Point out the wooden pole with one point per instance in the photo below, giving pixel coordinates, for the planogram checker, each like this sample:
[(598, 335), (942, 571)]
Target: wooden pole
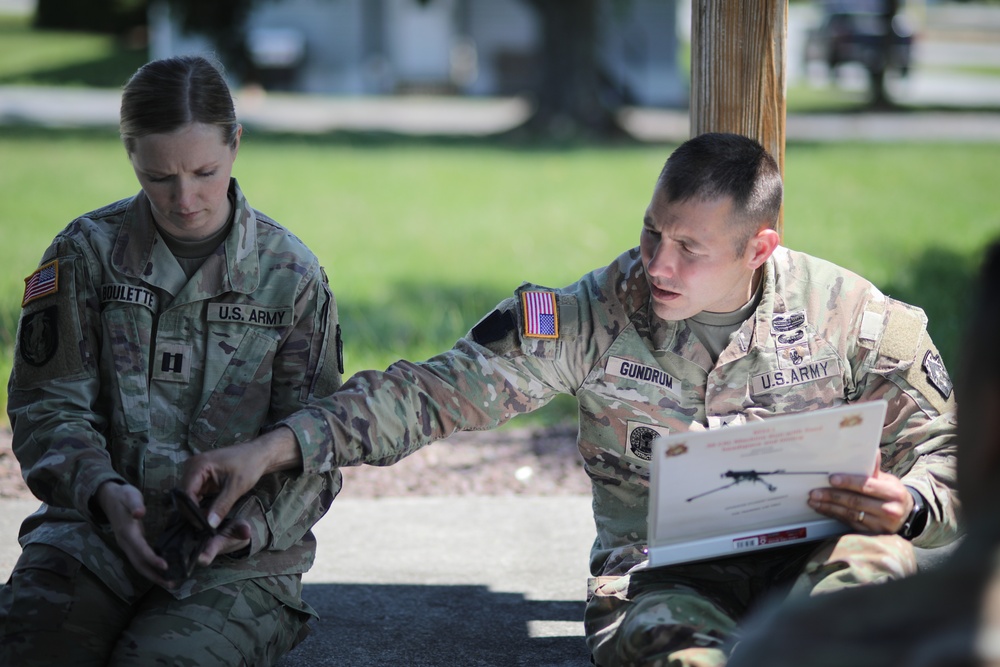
[(738, 70)]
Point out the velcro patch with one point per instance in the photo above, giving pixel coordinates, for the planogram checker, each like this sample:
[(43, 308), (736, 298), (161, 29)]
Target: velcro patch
[(903, 332), (44, 281), (493, 327)]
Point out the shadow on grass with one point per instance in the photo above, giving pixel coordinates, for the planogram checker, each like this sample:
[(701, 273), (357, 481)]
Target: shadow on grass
[(110, 71), (939, 281), (24, 129)]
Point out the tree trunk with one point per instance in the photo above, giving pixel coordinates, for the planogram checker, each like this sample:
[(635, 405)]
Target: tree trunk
[(738, 70), (568, 92)]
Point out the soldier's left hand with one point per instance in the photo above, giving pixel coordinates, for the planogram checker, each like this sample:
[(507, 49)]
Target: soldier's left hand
[(124, 508), (878, 503), (233, 536)]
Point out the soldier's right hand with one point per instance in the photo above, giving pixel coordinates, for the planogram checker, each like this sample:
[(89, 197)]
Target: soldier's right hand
[(124, 508), (230, 472)]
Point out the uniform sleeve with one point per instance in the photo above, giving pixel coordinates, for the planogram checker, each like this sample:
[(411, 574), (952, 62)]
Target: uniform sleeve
[(54, 385), (918, 439), (284, 506), (491, 375)]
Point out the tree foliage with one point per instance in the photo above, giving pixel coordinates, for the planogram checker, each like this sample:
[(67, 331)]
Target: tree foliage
[(110, 16)]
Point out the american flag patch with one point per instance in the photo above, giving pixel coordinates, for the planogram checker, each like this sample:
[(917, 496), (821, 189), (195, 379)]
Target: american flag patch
[(541, 319), (44, 281)]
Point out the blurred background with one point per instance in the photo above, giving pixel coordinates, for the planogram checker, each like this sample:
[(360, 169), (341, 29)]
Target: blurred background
[(436, 153)]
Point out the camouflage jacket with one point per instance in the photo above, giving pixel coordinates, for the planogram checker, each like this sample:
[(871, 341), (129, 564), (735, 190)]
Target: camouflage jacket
[(124, 368), (820, 337)]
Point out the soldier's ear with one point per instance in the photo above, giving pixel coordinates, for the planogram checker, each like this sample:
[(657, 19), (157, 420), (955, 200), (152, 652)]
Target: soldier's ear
[(760, 246), (236, 140)]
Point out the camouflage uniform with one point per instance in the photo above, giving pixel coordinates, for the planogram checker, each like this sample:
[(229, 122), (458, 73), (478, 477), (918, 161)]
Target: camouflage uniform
[(124, 368), (821, 336)]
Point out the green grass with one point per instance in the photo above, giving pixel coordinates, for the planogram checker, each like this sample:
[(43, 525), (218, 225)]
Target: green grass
[(420, 239)]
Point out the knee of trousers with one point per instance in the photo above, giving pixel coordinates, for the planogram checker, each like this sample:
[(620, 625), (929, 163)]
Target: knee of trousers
[(633, 625), (857, 560)]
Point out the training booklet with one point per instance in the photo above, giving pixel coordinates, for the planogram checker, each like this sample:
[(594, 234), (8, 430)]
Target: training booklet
[(735, 489)]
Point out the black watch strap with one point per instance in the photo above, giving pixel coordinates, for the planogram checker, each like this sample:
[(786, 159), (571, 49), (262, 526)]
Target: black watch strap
[(915, 523)]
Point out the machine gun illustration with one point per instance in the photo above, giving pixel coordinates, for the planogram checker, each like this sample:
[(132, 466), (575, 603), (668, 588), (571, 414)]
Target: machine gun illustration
[(739, 476)]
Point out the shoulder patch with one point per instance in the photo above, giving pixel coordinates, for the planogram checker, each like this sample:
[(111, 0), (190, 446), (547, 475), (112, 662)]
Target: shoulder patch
[(44, 281), (541, 316), (38, 336), (929, 376)]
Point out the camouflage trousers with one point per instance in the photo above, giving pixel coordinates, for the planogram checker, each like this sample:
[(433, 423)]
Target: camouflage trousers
[(687, 615), (53, 611)]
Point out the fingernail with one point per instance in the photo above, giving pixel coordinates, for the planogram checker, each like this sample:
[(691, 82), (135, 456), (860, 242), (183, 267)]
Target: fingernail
[(214, 520)]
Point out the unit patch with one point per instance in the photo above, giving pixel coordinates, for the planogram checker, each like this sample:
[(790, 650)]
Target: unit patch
[(541, 317), (789, 377), (937, 375), (39, 336), (631, 370), (639, 441), (247, 314), (44, 281), (120, 293)]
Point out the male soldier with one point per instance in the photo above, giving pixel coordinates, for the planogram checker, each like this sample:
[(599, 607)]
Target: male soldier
[(949, 615), (703, 325)]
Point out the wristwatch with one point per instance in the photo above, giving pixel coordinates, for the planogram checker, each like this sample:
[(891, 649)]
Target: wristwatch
[(914, 524)]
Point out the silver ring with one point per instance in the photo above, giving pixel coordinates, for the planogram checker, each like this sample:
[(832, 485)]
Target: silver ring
[(861, 516)]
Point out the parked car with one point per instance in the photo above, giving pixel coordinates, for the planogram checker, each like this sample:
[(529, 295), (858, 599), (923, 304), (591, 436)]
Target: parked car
[(867, 38)]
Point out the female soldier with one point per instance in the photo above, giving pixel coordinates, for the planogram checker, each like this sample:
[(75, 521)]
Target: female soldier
[(176, 321)]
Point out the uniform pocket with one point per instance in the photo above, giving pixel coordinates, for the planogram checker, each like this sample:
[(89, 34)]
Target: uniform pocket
[(125, 346), (238, 405)]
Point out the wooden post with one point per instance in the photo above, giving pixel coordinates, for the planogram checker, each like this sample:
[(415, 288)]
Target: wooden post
[(738, 70)]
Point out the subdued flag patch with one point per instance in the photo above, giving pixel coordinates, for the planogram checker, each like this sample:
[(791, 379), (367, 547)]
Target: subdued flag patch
[(541, 319), (44, 281)]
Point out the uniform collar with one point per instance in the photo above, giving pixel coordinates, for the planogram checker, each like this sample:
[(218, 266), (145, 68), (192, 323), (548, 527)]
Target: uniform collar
[(139, 249)]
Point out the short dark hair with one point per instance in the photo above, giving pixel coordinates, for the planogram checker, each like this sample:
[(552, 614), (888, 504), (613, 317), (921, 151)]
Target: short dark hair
[(715, 165), (165, 95)]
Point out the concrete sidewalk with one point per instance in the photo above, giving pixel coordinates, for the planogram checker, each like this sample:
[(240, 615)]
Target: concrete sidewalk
[(439, 581), (435, 582), (439, 116)]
